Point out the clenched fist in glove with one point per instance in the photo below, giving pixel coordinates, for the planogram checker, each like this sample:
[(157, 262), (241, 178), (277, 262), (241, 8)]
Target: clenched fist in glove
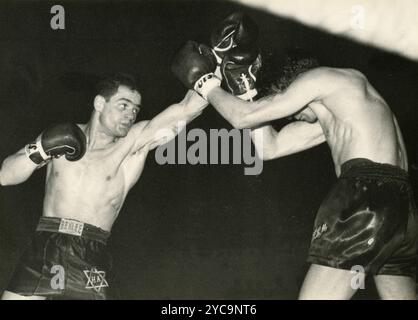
[(194, 66), (58, 140)]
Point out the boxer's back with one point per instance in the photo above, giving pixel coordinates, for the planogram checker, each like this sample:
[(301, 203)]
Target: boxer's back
[(356, 120)]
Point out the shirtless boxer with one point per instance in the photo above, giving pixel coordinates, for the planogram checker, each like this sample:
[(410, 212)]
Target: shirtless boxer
[(84, 195), (369, 219)]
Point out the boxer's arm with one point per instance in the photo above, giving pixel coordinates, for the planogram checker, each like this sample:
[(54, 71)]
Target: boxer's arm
[(292, 138), (16, 168), (65, 139), (243, 114), (261, 137), (166, 125)]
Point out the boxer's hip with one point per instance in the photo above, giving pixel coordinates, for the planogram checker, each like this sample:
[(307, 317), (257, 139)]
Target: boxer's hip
[(66, 259), (362, 168), (369, 218)]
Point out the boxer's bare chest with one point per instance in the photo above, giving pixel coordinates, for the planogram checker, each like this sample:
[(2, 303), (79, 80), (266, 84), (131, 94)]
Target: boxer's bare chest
[(98, 177), (92, 189)]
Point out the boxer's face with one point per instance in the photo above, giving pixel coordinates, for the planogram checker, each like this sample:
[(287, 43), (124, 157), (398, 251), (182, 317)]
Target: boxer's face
[(120, 111), (306, 115)]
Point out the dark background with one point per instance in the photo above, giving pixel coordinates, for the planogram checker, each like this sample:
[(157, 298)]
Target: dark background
[(185, 232)]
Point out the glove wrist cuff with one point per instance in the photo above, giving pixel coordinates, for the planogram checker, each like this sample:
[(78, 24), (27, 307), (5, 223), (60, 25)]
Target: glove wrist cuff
[(207, 83), (36, 153)]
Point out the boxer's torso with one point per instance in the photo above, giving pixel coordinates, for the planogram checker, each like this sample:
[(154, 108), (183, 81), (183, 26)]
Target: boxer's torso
[(93, 189), (357, 122)]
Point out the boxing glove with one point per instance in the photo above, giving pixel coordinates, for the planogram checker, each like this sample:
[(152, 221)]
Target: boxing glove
[(194, 66), (240, 68), (58, 140), (235, 30)]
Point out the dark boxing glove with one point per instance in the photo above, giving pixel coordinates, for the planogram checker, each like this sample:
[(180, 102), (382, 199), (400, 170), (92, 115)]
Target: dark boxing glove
[(239, 69), (58, 140), (194, 66), (235, 30)]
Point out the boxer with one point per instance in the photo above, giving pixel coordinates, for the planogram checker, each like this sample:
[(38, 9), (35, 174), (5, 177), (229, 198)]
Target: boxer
[(90, 169), (368, 221)]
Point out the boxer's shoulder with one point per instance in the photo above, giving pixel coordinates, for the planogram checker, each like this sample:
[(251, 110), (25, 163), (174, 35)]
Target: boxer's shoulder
[(337, 75), (328, 81), (135, 134), (138, 127)]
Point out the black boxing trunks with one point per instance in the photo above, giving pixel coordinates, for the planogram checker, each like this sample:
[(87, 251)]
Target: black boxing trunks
[(368, 221), (66, 259)]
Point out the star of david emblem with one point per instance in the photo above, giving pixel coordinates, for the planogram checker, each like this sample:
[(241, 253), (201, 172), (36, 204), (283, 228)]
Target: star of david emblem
[(95, 279)]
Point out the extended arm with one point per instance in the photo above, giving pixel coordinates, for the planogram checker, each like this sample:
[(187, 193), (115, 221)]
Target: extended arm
[(16, 168), (243, 114), (57, 140), (169, 122), (292, 138)]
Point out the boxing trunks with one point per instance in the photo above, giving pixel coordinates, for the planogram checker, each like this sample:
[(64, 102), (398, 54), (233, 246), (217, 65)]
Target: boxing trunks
[(368, 220), (66, 259)]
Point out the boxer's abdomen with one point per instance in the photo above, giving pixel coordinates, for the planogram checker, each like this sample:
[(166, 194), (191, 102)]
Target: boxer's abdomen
[(89, 192)]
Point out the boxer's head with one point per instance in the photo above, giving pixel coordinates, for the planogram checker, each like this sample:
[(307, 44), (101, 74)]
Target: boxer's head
[(280, 71), (294, 63), (118, 103), (295, 66)]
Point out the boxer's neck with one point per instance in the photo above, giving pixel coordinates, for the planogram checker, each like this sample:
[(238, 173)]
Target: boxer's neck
[(96, 137)]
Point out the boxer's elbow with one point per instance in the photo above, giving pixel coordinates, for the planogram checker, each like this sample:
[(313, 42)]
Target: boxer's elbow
[(238, 124), (268, 152), (262, 153), (240, 121), (3, 179), (8, 178), (5, 182)]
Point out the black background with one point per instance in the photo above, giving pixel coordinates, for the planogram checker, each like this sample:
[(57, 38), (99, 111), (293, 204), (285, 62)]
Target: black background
[(185, 232)]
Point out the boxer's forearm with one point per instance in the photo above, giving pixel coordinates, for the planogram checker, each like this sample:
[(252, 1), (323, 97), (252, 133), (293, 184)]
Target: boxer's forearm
[(185, 111), (193, 105), (264, 141), (242, 114), (233, 109), (295, 137), (16, 169), (167, 124)]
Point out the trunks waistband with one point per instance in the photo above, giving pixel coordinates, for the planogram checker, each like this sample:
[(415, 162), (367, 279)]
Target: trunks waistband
[(72, 227), (361, 167)]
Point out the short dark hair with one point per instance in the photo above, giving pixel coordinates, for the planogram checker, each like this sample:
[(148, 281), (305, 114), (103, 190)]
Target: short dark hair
[(280, 71), (109, 85)]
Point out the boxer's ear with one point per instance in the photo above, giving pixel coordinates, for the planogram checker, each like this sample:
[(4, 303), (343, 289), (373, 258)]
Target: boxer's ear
[(99, 102)]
